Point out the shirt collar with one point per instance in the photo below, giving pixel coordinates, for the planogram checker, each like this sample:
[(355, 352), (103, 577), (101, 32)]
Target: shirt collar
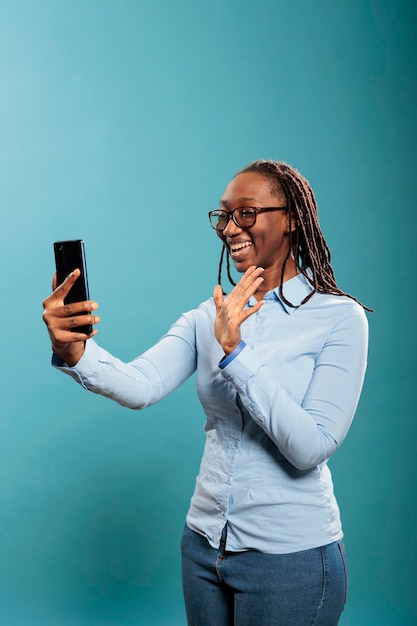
[(294, 290)]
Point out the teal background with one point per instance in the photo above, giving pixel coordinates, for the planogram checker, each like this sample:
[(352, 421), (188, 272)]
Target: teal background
[(121, 123)]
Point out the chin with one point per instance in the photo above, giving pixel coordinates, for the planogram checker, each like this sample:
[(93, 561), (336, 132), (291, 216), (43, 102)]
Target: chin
[(242, 266)]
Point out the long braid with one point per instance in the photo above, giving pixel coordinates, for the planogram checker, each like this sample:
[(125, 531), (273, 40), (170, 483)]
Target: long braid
[(219, 275), (307, 245), (229, 275)]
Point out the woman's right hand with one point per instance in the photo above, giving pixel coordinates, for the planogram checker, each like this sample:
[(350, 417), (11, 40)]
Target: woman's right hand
[(60, 318), (231, 311)]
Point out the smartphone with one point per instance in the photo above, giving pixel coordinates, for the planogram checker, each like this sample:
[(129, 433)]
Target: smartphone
[(70, 255)]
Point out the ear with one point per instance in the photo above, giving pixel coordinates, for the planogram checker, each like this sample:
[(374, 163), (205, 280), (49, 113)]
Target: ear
[(291, 223)]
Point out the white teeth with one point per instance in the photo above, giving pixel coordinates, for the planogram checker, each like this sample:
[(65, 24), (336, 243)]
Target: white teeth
[(239, 246)]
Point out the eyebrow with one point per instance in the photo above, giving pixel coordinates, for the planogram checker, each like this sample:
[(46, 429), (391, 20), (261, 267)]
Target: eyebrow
[(240, 201)]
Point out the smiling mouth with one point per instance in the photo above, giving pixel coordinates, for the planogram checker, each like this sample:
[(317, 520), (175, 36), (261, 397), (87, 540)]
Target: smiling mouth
[(236, 247)]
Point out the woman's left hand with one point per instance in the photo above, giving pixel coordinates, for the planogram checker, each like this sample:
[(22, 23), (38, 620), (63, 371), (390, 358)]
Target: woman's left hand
[(230, 310)]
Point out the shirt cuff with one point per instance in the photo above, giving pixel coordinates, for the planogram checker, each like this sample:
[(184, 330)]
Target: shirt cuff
[(229, 358), (85, 367)]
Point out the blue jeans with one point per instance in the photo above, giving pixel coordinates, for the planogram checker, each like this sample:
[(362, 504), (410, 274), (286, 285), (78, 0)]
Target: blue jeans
[(222, 588)]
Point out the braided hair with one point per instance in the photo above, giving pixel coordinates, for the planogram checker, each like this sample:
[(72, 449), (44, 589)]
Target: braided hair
[(307, 245)]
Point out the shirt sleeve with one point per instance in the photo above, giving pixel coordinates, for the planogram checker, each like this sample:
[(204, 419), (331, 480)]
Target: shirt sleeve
[(145, 380), (307, 434), (228, 359)]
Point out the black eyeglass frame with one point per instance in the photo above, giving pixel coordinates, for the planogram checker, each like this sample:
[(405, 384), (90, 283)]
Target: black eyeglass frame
[(231, 215)]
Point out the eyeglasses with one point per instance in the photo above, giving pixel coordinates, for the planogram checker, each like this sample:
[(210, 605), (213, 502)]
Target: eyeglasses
[(243, 217)]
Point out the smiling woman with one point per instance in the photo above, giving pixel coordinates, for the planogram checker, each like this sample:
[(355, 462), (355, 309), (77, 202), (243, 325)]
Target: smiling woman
[(279, 378), (266, 242), (303, 241)]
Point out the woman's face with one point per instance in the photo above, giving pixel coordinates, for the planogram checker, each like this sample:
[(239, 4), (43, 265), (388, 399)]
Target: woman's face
[(266, 243)]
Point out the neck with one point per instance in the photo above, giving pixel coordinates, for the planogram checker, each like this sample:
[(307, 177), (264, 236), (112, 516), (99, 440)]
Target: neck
[(272, 278)]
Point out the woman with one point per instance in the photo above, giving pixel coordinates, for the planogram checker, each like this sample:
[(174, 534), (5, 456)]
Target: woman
[(280, 364)]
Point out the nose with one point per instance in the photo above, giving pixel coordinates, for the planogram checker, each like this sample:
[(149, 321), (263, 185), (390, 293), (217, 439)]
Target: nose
[(231, 228)]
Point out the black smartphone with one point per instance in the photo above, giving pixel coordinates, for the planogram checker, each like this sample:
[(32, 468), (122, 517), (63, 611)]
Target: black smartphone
[(70, 255)]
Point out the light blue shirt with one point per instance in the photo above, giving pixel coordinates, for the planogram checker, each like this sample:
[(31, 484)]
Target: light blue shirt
[(276, 410)]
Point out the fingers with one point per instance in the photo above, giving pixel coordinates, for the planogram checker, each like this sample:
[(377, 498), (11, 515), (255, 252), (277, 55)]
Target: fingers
[(70, 315), (218, 297), (231, 311), (75, 308), (253, 309), (233, 306), (56, 299), (238, 298), (62, 320), (248, 285), (72, 323), (64, 288), (63, 328), (64, 316), (60, 292)]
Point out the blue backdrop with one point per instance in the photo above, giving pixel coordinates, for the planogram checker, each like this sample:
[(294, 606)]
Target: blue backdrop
[(120, 123)]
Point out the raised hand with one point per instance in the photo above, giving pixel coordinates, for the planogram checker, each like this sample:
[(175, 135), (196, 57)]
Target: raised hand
[(61, 319), (231, 312)]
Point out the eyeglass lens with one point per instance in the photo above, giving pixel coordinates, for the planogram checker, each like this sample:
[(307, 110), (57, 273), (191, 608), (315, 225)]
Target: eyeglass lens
[(244, 217)]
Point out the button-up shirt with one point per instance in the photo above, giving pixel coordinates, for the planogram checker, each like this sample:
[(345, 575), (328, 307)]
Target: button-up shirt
[(276, 410)]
